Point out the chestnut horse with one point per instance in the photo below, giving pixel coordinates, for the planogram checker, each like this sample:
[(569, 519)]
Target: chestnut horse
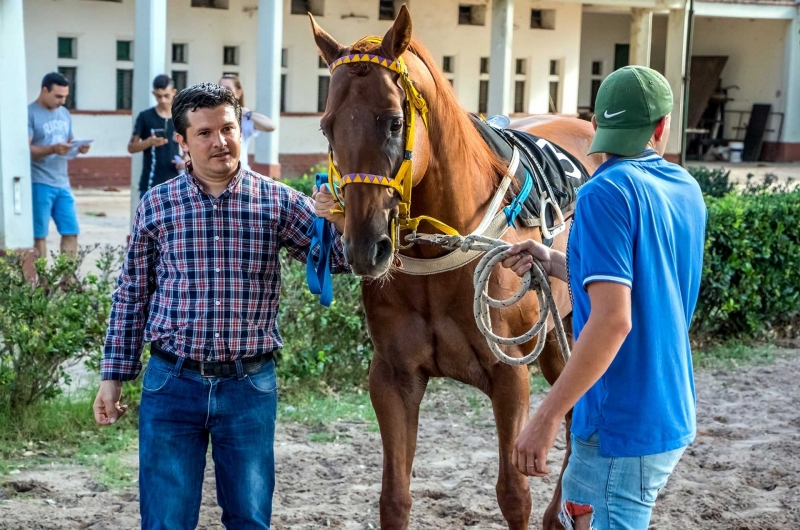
[(423, 326)]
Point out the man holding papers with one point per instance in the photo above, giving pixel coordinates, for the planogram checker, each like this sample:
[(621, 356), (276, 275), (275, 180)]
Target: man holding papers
[(50, 137)]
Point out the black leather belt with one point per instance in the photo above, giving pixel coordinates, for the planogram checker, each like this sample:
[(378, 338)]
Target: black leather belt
[(250, 365)]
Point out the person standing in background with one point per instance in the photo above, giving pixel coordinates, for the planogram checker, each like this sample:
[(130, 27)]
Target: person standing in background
[(154, 136), (50, 139), (252, 122)]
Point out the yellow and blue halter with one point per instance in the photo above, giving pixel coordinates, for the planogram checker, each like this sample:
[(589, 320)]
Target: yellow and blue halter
[(402, 182)]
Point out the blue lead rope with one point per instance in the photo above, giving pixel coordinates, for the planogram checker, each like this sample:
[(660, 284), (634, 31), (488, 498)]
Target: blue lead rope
[(318, 271), (513, 209)]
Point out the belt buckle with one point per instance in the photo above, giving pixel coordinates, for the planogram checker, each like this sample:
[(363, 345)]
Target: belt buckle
[(203, 370)]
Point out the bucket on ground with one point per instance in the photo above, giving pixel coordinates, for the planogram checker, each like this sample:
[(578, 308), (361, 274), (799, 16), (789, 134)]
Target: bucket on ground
[(736, 149)]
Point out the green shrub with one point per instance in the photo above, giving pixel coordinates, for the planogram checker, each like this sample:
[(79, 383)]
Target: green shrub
[(49, 320), (713, 182), (328, 347), (322, 346), (751, 271)]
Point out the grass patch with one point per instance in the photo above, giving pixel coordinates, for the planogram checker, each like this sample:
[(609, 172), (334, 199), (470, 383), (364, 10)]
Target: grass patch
[(323, 437), (314, 409), (64, 429), (731, 355)]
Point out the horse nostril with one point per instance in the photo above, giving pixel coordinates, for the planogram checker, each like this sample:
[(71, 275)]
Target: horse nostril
[(383, 249)]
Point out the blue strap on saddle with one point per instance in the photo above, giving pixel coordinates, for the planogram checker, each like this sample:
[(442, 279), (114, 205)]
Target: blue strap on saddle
[(513, 209), (318, 271)]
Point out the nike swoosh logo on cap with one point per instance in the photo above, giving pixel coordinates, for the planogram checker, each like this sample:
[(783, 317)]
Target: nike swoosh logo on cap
[(607, 115)]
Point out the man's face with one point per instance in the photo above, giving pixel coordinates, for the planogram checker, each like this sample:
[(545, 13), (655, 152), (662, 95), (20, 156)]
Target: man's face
[(54, 97), (213, 140), (164, 96)]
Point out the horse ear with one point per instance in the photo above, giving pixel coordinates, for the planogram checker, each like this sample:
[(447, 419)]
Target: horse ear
[(328, 47), (397, 39)]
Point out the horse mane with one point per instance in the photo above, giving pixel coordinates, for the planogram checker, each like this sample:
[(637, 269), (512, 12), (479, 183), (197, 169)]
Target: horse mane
[(451, 132)]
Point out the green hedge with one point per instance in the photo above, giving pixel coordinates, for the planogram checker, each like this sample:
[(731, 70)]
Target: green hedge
[(751, 272)]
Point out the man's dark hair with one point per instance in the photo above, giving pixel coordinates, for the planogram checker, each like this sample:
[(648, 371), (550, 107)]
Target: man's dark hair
[(54, 78), (201, 96), (161, 82)]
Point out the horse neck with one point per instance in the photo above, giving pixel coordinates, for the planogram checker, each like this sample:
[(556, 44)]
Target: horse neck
[(455, 189)]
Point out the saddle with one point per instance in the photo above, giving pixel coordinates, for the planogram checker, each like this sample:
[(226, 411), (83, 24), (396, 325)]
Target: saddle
[(546, 181)]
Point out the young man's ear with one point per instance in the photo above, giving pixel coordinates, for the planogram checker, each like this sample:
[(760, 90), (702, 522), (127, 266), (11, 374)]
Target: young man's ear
[(661, 128)]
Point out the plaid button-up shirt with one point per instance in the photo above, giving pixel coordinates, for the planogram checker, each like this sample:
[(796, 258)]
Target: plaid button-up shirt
[(202, 277)]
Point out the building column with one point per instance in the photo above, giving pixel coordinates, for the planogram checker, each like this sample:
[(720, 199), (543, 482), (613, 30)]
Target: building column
[(268, 88), (789, 151), (501, 55), (675, 72), (16, 212), (149, 60), (641, 36)]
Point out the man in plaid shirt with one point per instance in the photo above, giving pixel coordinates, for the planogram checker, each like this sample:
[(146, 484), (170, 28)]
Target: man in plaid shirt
[(201, 283)]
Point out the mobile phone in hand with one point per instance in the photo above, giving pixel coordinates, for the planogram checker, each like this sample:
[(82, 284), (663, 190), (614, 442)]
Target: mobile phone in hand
[(161, 133)]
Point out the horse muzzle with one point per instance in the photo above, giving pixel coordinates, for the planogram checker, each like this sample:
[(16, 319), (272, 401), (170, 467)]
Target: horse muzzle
[(371, 259)]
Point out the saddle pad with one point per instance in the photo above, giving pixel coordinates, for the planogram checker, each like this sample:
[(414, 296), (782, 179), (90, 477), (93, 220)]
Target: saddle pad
[(555, 172)]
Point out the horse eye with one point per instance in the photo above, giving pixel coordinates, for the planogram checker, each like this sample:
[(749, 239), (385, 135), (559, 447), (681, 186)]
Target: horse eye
[(397, 125)]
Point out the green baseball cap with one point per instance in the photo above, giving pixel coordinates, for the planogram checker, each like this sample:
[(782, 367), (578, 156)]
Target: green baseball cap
[(629, 105)]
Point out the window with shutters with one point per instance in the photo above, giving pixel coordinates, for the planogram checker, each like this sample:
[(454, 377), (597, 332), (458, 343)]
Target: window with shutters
[(519, 97), (213, 4), (124, 50), (67, 48), (484, 65), (555, 91), (386, 10), (322, 92), (230, 55), (179, 79), (483, 96), (471, 15), (71, 73), (304, 7), (124, 89), (283, 92), (447, 64), (180, 53), (543, 19)]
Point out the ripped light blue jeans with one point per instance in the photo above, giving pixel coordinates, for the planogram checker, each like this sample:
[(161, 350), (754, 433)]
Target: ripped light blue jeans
[(620, 492)]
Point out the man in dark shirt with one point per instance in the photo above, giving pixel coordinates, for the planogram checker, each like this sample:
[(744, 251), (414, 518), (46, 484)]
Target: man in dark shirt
[(201, 283), (154, 136)]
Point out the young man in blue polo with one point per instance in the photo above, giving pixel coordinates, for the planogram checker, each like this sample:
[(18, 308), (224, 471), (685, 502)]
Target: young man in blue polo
[(633, 262)]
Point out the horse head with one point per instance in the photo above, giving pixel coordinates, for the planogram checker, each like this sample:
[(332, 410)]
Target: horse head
[(366, 123)]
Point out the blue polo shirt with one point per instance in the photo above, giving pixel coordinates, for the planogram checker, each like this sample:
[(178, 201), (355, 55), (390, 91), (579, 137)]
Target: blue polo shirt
[(640, 222)]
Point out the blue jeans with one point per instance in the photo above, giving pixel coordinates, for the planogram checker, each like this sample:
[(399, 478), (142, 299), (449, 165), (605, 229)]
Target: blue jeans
[(620, 492), (58, 203), (180, 409)]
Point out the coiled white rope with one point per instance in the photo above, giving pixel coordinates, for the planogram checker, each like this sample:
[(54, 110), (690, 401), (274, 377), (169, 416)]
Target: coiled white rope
[(535, 279)]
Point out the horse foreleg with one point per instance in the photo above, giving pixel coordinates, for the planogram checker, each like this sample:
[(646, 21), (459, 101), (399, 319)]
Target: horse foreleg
[(396, 396), (510, 395)]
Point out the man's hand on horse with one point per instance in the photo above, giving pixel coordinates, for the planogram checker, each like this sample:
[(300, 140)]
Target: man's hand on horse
[(324, 203), (521, 257), (107, 409), (533, 444)]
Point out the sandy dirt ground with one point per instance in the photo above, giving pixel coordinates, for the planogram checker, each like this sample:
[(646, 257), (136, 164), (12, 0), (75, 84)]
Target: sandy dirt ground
[(742, 472)]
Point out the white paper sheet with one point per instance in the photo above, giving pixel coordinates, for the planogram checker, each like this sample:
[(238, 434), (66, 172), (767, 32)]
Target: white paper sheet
[(76, 144)]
